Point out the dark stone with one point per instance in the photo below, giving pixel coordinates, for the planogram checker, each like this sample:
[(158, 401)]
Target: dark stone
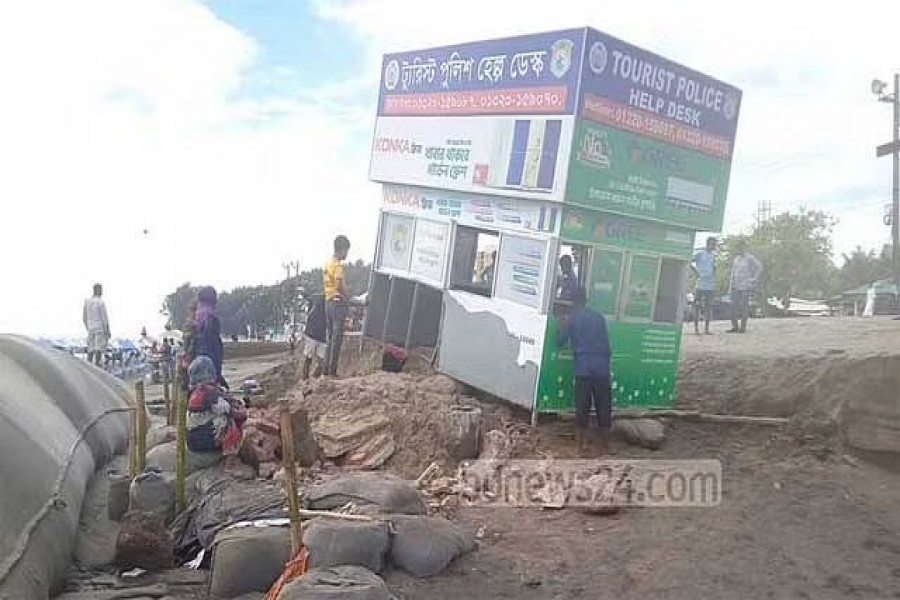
[(144, 542)]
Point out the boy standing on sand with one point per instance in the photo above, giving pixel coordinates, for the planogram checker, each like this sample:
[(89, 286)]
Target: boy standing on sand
[(337, 295), (704, 266)]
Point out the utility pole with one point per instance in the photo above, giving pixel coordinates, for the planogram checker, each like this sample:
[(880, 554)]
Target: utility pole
[(292, 292), (892, 148)]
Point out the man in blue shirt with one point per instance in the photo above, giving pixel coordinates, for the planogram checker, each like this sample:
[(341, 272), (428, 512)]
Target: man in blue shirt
[(568, 285), (586, 330), (704, 266)]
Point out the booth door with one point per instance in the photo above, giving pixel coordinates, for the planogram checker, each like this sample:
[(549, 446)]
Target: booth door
[(639, 295)]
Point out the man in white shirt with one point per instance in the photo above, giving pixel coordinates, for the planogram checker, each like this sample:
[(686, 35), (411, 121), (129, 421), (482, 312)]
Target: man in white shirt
[(744, 277), (96, 322)]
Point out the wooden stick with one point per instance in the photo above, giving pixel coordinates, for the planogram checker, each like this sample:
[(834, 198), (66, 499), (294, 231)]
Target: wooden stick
[(180, 445), (132, 443), (700, 416), (141, 425), (290, 478), (309, 514), (167, 397), (427, 473)]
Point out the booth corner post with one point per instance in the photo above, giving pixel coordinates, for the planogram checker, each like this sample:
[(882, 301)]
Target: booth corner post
[(290, 476), (180, 403)]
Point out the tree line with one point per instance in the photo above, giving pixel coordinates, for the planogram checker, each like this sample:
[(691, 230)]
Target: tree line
[(796, 250), (261, 308)]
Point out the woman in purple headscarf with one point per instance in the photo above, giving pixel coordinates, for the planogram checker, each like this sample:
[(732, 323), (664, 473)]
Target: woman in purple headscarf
[(205, 331)]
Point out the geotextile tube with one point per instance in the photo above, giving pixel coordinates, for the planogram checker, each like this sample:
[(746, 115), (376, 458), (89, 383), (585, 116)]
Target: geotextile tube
[(60, 419)]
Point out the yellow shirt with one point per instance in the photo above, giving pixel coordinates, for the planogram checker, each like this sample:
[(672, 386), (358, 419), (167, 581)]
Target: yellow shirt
[(334, 276)]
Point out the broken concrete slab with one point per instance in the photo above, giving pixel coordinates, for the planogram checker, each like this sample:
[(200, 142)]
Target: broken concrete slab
[(371, 454), (338, 435), (306, 448)]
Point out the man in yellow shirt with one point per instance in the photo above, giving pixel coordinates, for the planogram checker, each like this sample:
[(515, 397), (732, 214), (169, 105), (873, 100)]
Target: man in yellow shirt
[(337, 296)]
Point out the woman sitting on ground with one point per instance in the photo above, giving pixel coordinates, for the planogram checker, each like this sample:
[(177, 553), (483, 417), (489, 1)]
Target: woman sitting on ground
[(214, 422)]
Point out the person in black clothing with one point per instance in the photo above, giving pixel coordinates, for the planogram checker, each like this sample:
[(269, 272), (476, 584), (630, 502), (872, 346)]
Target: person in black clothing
[(315, 341)]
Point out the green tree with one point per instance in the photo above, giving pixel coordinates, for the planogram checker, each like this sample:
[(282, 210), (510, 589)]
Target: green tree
[(861, 267), (177, 305), (795, 249)]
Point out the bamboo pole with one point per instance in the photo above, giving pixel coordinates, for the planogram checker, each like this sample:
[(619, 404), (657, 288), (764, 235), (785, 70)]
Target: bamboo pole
[(180, 445), (167, 396), (140, 411), (695, 415), (132, 442), (290, 478)]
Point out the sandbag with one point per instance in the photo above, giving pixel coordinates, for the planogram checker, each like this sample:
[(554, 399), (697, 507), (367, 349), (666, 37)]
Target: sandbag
[(337, 583), (332, 542), (59, 419), (425, 546), (219, 503), (153, 492), (248, 559), (390, 494), (118, 493), (163, 458)]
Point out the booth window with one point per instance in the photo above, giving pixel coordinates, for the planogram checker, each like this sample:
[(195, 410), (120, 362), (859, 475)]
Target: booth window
[(474, 260), (669, 292)]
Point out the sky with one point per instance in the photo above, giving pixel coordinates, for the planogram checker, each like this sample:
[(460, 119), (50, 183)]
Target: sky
[(146, 143)]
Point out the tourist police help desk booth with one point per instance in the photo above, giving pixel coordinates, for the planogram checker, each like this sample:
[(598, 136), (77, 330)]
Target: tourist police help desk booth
[(497, 157)]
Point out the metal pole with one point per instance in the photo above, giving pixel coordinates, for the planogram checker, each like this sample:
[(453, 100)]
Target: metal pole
[(895, 220), (412, 316), (387, 311)]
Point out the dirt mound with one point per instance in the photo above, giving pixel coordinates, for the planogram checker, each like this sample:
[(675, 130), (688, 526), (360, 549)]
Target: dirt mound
[(802, 371), (417, 408)]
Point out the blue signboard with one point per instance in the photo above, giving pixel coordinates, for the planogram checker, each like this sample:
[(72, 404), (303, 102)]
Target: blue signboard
[(531, 74), (620, 75)]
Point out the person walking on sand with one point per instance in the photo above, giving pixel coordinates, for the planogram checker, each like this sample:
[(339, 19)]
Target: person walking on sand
[(704, 266), (744, 277), (315, 336), (337, 296), (96, 322), (586, 331)]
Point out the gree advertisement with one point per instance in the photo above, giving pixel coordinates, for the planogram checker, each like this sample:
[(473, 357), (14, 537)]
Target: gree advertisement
[(624, 173), (593, 227), (644, 367), (519, 157), (530, 74)]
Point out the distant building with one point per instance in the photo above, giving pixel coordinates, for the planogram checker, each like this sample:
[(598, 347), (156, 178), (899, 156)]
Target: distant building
[(852, 302)]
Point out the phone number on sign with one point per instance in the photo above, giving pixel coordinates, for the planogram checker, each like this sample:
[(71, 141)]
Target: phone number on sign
[(517, 101)]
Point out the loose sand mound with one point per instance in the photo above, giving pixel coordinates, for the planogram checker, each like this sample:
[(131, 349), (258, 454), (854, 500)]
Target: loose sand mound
[(841, 371), (418, 408)]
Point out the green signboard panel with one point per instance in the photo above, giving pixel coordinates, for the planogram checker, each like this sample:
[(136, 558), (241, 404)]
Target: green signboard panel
[(644, 367), (621, 172), (594, 227)]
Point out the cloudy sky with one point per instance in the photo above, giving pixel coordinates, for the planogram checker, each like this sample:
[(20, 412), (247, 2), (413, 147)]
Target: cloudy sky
[(146, 143)]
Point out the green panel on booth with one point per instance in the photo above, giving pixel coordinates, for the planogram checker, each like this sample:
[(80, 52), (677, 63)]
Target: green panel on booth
[(645, 367)]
